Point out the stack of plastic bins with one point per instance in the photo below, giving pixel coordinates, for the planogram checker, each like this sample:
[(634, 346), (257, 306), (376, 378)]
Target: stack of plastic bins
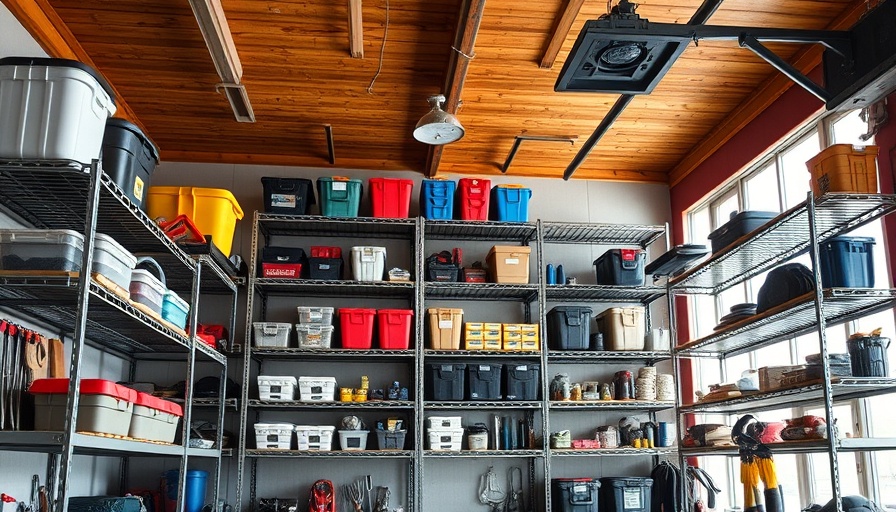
[(315, 327)]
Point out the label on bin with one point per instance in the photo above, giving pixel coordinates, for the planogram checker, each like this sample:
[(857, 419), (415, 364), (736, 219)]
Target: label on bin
[(580, 489), (485, 368), (323, 266), (275, 389), (339, 185), (283, 200), (368, 257), (511, 261), (138, 188), (631, 498), (446, 324)]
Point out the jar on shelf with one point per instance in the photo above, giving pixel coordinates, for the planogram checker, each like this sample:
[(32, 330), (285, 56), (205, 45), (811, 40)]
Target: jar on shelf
[(561, 388)]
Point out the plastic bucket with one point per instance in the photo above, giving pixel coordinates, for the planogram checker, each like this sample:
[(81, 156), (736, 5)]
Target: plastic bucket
[(868, 356), (195, 486)]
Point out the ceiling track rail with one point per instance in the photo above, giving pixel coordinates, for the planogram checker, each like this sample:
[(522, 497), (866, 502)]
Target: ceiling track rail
[(518, 141)]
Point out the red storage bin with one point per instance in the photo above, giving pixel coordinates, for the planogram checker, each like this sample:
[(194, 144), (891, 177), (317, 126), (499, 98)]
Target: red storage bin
[(325, 251), (391, 197), (356, 325), (473, 195), (394, 328)]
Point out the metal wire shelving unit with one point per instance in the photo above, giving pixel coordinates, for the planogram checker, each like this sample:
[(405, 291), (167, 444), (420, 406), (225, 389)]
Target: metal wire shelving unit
[(80, 197), (792, 233)]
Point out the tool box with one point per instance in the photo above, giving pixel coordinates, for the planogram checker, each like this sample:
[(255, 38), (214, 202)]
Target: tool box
[(104, 406)]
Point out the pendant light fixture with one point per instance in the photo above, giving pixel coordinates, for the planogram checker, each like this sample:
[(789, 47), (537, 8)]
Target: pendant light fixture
[(438, 127)]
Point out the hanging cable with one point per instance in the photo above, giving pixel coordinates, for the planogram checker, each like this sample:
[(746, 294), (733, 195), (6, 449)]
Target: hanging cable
[(382, 51)]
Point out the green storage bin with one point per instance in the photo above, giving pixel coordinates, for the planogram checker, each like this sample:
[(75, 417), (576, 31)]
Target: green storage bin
[(339, 197)]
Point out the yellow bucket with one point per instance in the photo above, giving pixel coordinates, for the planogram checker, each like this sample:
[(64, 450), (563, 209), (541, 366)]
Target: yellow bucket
[(214, 211)]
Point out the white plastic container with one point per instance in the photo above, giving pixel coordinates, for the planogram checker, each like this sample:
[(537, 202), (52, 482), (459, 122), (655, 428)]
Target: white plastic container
[(315, 316), (478, 441), (113, 261), (146, 289), (154, 419), (317, 389), (273, 436), (623, 328), (314, 336), (445, 439), (315, 438), (353, 440), (277, 388), (443, 422), (368, 263), (52, 109), (271, 334)]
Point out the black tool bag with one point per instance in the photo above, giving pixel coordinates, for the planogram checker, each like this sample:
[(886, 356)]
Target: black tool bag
[(666, 489), (783, 284)]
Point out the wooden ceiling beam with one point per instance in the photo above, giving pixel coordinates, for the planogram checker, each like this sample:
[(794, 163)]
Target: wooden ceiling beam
[(216, 32), (464, 43), (53, 35), (355, 29), (762, 98), (561, 31)]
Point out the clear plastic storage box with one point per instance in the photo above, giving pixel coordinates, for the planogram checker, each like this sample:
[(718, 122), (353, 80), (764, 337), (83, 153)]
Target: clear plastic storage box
[(41, 249), (315, 315), (271, 334), (314, 336), (113, 261)]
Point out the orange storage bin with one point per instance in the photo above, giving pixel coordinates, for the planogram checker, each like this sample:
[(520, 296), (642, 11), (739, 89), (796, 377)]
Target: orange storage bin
[(844, 168)]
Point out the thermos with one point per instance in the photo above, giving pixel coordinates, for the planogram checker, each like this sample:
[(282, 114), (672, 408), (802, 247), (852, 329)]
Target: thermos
[(561, 276), (550, 276)]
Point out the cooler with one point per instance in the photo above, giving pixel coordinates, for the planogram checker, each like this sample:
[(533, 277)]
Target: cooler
[(437, 199), (41, 249), (271, 334), (104, 406), (394, 328), (368, 263), (569, 327), (510, 203), (214, 211), (847, 262), (625, 494), (277, 388), (273, 436), (154, 419), (282, 262), (129, 158), (390, 197), (287, 196), (52, 109), (472, 198), (445, 325), (844, 168), (521, 381), (509, 264), (484, 381), (623, 328), (356, 327), (339, 196), (621, 267), (574, 494), (444, 381)]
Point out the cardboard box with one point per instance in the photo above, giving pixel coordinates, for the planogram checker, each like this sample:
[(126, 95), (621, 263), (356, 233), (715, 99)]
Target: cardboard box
[(771, 377), (509, 264)]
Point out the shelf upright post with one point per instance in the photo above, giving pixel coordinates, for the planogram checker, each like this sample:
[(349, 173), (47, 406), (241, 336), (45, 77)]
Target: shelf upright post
[(78, 342), (247, 360), (823, 345), (679, 396), (416, 473), (188, 392), (545, 396)]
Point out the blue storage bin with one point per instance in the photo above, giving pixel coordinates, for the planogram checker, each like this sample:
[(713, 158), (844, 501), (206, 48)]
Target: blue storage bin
[(175, 309), (339, 197), (847, 262), (511, 203), (437, 199)]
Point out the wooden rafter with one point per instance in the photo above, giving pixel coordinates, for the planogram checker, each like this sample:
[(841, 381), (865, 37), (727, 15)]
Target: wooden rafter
[(464, 44), (216, 32), (762, 98), (355, 29), (561, 31), (53, 35)]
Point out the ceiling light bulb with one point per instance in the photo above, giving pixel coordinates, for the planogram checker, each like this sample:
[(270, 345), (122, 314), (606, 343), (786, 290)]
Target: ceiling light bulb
[(438, 127)]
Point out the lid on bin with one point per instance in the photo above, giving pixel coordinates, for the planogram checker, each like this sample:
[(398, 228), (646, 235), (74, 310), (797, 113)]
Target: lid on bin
[(67, 63), (88, 387), (124, 124), (147, 400)]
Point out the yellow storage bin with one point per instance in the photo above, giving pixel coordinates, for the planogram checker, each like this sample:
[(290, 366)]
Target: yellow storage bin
[(844, 168), (530, 336), (214, 211)]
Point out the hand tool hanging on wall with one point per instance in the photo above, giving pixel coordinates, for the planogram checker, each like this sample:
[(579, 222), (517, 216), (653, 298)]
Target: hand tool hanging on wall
[(515, 501)]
